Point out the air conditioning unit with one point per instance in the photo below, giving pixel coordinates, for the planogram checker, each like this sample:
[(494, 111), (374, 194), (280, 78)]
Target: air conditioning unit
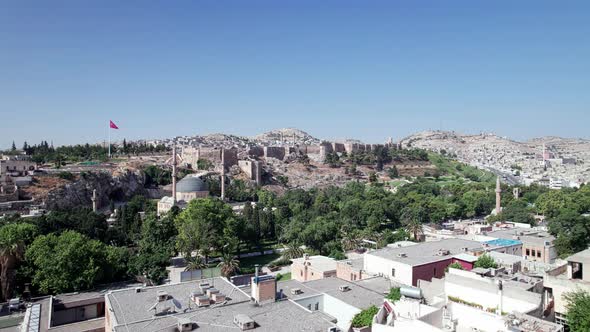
[(185, 325), (402, 254), (296, 291), (162, 296), (344, 288)]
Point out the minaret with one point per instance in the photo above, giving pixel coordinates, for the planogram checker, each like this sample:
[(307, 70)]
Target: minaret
[(174, 173), (222, 179), (94, 200), (498, 196)]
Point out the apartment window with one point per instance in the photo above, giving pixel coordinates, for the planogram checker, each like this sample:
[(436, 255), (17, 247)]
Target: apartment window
[(528, 252), (317, 306), (533, 253), (393, 272), (539, 253), (309, 307)]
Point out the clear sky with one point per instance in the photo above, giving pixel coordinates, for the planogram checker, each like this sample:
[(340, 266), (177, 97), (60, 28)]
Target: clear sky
[(362, 69)]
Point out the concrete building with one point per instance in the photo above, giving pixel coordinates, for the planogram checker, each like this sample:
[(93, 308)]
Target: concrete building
[(536, 245), (351, 269), (427, 260), (336, 298), (312, 268), (187, 189), (211, 305), (74, 312), (574, 275), (411, 315)]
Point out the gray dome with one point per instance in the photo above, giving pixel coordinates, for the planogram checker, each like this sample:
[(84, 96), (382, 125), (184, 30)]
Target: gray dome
[(191, 184)]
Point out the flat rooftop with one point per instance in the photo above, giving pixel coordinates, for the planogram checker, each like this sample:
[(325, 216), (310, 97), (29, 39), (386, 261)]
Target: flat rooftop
[(523, 234), (362, 294), (129, 306), (318, 263), (580, 257), (356, 264), (427, 252), (271, 317)]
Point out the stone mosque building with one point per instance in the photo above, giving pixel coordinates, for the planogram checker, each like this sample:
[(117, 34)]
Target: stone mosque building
[(187, 189)]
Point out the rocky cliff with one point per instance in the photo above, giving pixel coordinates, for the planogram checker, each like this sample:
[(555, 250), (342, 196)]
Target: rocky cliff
[(119, 186)]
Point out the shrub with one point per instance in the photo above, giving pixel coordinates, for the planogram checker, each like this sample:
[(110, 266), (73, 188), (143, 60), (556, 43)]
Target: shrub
[(485, 261), (394, 294), (365, 317)]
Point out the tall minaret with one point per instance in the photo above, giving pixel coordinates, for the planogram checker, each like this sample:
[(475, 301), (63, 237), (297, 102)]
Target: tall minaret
[(94, 200), (222, 179), (174, 173), (498, 196)]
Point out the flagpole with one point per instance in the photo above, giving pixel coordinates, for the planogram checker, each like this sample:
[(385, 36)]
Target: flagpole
[(109, 130)]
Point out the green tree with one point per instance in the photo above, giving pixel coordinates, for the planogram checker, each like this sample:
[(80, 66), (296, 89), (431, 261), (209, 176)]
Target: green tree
[(67, 262), (485, 261), (195, 263), (394, 294), (13, 148), (392, 172), (201, 226), (14, 239), (572, 231), (578, 310), (293, 251), (155, 249), (229, 265)]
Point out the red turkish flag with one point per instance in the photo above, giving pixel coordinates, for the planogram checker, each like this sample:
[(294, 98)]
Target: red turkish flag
[(113, 125)]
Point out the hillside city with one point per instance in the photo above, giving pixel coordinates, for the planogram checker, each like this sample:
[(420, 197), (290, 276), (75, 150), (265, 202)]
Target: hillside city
[(287, 232)]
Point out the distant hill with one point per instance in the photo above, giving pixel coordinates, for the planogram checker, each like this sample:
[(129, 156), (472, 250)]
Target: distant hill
[(287, 135)]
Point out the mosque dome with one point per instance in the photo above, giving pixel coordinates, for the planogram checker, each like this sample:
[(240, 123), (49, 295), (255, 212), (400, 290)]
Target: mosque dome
[(191, 184)]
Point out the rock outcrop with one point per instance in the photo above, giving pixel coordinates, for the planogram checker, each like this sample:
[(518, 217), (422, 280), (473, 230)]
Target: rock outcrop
[(120, 186)]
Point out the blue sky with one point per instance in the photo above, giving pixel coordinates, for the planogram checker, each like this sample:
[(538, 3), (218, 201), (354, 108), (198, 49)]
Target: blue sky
[(363, 69)]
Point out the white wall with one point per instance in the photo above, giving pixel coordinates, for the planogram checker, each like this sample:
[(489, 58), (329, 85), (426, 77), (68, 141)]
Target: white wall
[(340, 310), (485, 293), (379, 265), (312, 300)]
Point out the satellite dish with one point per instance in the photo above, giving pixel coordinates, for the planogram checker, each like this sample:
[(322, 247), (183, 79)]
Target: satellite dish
[(177, 304)]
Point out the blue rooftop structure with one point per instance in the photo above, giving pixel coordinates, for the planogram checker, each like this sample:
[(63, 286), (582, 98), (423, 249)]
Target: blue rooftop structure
[(503, 242)]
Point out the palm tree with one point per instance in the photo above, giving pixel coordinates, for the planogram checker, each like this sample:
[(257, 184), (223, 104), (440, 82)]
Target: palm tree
[(13, 239), (415, 227), (293, 251), (229, 265), (351, 240), (195, 263)]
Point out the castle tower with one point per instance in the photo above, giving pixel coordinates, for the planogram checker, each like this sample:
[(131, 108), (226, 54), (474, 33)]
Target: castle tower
[(498, 196), (174, 173), (93, 200)]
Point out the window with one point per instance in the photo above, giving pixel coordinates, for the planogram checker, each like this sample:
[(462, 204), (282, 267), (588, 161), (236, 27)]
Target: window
[(393, 272), (309, 307), (317, 306), (533, 252), (539, 253), (301, 272), (528, 252)]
